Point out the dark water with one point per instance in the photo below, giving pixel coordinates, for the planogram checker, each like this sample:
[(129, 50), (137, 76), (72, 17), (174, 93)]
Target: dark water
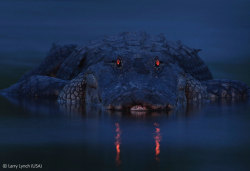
[(212, 137)]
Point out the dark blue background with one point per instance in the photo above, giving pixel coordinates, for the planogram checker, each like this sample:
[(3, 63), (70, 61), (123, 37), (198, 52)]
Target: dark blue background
[(220, 27)]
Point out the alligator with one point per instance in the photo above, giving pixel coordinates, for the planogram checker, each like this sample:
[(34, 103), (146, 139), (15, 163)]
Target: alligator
[(132, 71)]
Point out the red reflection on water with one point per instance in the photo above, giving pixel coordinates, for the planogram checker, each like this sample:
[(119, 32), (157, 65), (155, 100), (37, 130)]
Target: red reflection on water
[(118, 143), (157, 138)]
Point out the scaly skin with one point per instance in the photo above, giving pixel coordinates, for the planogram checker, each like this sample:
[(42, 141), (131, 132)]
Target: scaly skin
[(91, 75)]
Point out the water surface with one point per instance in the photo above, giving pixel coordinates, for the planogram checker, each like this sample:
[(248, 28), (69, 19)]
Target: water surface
[(213, 137)]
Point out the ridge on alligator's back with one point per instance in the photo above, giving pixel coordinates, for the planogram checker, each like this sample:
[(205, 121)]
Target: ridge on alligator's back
[(128, 71)]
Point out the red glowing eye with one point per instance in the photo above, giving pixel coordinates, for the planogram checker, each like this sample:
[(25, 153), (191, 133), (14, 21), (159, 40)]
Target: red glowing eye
[(118, 62), (157, 62)]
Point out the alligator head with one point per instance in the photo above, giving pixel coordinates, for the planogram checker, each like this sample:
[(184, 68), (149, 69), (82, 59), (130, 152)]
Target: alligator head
[(129, 80)]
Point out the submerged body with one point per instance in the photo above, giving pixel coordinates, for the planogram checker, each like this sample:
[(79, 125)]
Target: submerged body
[(129, 71)]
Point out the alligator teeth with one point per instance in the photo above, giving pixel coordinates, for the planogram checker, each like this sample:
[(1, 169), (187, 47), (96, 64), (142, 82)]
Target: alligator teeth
[(138, 108)]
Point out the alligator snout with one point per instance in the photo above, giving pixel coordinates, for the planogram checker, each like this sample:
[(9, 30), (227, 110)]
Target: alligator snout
[(141, 100)]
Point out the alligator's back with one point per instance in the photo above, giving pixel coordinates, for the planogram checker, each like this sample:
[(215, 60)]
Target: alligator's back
[(66, 62)]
